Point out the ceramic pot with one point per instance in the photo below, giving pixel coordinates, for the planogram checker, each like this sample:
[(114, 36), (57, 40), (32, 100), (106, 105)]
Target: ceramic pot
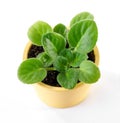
[(58, 96)]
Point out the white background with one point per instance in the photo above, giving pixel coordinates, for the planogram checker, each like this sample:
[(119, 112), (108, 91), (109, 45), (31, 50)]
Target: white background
[(18, 102)]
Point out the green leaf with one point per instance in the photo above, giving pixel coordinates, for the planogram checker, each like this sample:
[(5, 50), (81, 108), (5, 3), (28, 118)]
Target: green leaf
[(68, 79), (53, 43), (78, 58), (37, 30), (45, 59), (81, 16), (61, 63), (31, 71), (67, 54), (83, 36), (61, 29), (89, 72)]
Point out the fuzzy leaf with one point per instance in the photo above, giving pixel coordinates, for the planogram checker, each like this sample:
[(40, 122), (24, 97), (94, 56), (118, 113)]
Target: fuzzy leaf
[(77, 59), (60, 63), (81, 16), (67, 54), (45, 59), (61, 29), (83, 36), (89, 72), (31, 71), (68, 79), (53, 43), (37, 30)]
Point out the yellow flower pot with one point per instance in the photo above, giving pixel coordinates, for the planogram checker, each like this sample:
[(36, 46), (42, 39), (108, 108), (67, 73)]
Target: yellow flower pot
[(58, 96)]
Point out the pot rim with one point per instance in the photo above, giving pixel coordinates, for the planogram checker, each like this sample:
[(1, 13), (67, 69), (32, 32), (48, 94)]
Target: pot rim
[(25, 54)]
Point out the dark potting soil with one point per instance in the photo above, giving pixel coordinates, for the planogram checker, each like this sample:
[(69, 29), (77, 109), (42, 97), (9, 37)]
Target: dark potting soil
[(52, 75), (34, 51)]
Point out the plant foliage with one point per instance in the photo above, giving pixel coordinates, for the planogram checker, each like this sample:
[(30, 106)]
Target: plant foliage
[(65, 50)]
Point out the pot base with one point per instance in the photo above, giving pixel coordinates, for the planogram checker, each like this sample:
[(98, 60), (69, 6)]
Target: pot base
[(60, 97)]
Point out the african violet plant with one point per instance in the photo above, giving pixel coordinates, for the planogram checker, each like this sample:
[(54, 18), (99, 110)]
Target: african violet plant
[(65, 50)]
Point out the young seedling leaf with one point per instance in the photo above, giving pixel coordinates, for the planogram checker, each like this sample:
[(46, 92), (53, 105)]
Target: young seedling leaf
[(36, 31), (67, 53), (31, 71), (61, 29), (83, 36), (61, 63), (89, 72), (78, 58), (81, 16), (68, 79), (53, 43), (45, 59)]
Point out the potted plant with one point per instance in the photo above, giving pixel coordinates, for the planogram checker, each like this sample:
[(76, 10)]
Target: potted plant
[(62, 62)]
